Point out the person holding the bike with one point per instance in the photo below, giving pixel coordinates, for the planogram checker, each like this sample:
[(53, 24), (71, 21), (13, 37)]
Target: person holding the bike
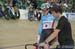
[(63, 31), (46, 24)]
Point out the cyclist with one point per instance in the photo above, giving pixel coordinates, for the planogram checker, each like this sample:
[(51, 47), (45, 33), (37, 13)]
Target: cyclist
[(46, 24)]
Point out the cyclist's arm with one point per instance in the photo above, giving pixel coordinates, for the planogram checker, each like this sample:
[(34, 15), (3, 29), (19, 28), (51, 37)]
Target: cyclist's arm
[(40, 31), (53, 35), (40, 28), (56, 32)]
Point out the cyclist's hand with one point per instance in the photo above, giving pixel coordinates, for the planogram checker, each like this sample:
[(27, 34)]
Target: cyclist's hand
[(46, 46), (42, 44)]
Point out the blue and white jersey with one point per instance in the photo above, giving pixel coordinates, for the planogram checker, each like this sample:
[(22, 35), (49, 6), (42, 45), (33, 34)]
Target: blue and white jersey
[(46, 22)]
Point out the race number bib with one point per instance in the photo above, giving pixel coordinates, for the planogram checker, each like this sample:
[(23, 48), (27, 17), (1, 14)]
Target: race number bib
[(47, 24)]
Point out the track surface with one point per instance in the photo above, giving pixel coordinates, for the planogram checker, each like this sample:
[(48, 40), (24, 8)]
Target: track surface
[(15, 33)]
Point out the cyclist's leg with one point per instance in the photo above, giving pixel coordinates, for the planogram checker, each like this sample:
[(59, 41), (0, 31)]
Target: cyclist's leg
[(43, 37)]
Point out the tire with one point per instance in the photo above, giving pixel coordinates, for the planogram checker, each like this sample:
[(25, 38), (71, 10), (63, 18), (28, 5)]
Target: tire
[(6, 13), (10, 15), (31, 16)]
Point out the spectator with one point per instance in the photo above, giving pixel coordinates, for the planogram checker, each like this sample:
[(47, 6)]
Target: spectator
[(73, 7), (35, 4), (64, 6), (53, 2)]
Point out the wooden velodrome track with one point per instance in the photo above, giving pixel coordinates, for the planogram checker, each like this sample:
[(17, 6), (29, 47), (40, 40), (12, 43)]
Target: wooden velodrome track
[(20, 32)]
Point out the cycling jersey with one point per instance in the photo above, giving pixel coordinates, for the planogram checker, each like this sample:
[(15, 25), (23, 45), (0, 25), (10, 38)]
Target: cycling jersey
[(46, 22)]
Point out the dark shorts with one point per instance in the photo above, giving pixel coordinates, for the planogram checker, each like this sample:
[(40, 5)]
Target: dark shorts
[(45, 34), (65, 47)]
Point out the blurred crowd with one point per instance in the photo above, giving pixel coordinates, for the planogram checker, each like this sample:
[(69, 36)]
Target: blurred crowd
[(23, 4), (10, 8)]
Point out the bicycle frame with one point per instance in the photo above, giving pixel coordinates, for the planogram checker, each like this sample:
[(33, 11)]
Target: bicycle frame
[(35, 45)]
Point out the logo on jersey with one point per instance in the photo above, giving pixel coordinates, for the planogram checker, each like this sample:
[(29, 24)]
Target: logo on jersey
[(47, 24)]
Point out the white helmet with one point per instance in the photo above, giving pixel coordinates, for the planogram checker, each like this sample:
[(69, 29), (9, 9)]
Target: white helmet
[(45, 5)]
